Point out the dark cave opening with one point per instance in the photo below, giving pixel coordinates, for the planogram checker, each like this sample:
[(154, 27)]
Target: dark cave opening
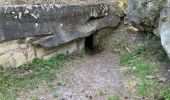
[(89, 44)]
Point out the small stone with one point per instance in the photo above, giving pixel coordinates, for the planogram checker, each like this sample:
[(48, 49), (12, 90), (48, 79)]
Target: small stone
[(162, 80), (90, 97), (59, 84), (63, 99), (131, 84), (125, 97), (132, 29), (83, 91), (30, 71)]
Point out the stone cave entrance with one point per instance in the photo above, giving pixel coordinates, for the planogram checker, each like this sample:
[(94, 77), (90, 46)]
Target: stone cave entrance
[(93, 43), (89, 43)]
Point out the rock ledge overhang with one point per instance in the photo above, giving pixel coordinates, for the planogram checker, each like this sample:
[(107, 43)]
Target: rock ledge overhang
[(54, 24)]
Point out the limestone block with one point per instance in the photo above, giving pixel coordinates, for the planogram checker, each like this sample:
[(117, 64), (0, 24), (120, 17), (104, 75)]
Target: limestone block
[(8, 46), (72, 47), (54, 52), (31, 53), (23, 45), (20, 57), (81, 45), (40, 52), (6, 60)]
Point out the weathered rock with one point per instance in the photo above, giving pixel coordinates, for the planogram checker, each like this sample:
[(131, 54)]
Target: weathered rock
[(6, 60), (80, 32), (58, 24), (147, 12), (164, 27), (8, 46), (20, 57), (144, 12), (53, 28)]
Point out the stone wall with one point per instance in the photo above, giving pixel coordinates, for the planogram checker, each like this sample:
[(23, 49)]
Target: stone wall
[(15, 53)]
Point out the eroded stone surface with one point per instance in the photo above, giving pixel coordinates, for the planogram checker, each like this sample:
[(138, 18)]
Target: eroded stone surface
[(23, 53), (148, 14), (20, 57), (6, 60), (164, 27), (46, 30), (59, 23), (144, 13)]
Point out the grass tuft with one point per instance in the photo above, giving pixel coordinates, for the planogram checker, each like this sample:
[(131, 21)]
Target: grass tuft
[(147, 88), (140, 59), (113, 97), (118, 43), (12, 81), (165, 93)]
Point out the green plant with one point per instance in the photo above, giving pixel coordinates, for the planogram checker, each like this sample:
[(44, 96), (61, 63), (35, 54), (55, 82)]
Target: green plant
[(141, 68), (147, 88), (34, 98), (165, 93), (155, 49), (50, 85), (13, 80), (56, 94), (118, 43), (101, 93), (113, 97)]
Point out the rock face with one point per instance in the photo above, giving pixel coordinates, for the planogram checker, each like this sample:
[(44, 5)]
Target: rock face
[(58, 24), (164, 27), (143, 12), (152, 13), (43, 31)]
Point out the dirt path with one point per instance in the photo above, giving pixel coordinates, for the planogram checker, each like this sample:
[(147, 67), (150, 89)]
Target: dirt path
[(97, 78), (94, 77)]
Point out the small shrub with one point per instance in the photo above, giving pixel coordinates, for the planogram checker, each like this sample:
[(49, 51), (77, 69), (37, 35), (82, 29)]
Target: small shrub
[(165, 93), (147, 88), (56, 94)]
